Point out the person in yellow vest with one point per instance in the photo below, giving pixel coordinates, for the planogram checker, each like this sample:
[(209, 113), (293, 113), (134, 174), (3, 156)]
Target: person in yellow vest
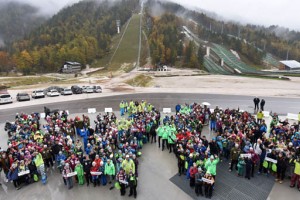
[(128, 165), (260, 116), (149, 107), (122, 108), (126, 107), (143, 104)]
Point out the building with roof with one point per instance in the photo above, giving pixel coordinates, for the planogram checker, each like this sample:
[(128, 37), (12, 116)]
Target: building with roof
[(71, 67), (289, 65)]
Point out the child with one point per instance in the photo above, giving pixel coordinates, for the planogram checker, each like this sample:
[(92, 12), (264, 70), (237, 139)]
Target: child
[(240, 165), (80, 173)]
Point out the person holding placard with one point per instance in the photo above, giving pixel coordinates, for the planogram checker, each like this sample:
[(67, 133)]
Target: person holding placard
[(68, 180), (208, 186), (199, 182), (121, 178), (95, 178)]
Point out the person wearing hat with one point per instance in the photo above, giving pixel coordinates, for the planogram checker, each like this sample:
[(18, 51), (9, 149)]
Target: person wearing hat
[(132, 182), (80, 172), (128, 165), (199, 182), (95, 178)]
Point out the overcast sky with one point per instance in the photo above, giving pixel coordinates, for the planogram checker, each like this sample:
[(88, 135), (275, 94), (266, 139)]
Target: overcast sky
[(263, 12)]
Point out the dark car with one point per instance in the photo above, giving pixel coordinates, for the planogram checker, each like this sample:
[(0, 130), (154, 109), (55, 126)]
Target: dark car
[(76, 89), (23, 97)]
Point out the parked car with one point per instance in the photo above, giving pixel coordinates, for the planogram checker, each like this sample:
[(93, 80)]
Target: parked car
[(66, 91), (76, 89), (5, 98), (88, 89), (38, 94), (52, 93), (57, 88), (23, 97), (97, 89)]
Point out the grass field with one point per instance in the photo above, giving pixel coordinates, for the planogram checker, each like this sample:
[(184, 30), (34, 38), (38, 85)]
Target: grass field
[(126, 55), (22, 81), (128, 49), (140, 81)]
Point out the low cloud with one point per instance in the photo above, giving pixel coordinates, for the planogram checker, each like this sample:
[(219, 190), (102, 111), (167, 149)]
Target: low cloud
[(276, 12)]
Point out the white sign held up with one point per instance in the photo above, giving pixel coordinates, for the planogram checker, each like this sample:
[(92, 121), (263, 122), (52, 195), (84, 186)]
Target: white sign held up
[(245, 155), (167, 110), (23, 173), (207, 180), (271, 160), (92, 110), (96, 173), (108, 110), (71, 174)]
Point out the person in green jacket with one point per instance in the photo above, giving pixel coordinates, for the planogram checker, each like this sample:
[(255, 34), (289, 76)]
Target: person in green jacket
[(159, 132), (165, 134), (171, 141), (110, 172), (241, 166), (80, 173), (211, 165)]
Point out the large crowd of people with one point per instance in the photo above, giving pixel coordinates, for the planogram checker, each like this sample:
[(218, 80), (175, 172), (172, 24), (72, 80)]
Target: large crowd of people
[(107, 154)]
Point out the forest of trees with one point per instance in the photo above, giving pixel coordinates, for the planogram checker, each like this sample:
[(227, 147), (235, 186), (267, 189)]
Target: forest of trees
[(167, 44), (275, 40), (81, 32)]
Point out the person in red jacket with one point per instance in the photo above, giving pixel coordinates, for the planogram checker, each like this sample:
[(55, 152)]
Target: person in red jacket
[(193, 171), (97, 161), (95, 178)]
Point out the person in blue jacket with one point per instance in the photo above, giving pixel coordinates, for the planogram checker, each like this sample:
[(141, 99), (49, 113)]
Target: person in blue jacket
[(13, 175), (177, 108)]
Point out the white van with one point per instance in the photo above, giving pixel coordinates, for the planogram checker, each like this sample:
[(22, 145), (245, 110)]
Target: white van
[(5, 98)]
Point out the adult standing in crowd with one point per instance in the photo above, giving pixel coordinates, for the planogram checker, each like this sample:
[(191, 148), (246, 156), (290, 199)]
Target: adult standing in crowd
[(256, 101), (262, 104)]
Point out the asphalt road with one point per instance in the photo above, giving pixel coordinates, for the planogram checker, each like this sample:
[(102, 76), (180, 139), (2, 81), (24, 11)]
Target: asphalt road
[(162, 100)]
